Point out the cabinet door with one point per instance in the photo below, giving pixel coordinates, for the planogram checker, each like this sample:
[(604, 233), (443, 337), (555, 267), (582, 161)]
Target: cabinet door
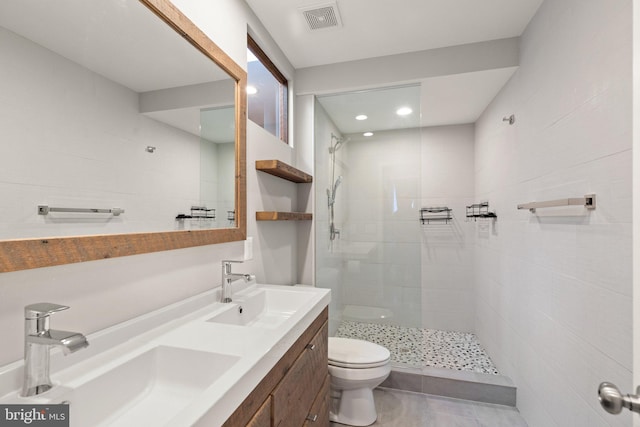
[(319, 413), (293, 397), (262, 418)]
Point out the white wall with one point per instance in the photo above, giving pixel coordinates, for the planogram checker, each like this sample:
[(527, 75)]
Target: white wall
[(276, 241), (407, 67), (553, 304), (103, 293), (305, 111), (447, 250)]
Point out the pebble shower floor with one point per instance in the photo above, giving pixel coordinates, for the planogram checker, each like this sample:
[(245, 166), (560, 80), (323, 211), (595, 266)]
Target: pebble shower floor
[(418, 347)]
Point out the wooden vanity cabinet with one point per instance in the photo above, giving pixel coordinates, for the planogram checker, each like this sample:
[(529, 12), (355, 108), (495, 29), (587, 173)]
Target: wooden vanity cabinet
[(293, 397), (262, 418), (319, 414), (295, 392)]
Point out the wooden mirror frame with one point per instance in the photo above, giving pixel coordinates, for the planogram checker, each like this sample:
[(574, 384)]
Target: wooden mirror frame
[(23, 254)]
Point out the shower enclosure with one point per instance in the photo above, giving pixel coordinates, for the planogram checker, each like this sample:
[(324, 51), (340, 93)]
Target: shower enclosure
[(367, 234), (369, 239)]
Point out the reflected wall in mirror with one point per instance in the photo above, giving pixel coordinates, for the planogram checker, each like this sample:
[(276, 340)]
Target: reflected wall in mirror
[(216, 163), (106, 106)]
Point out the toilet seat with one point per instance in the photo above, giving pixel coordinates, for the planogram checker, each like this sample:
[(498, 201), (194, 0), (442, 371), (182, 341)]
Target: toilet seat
[(356, 354)]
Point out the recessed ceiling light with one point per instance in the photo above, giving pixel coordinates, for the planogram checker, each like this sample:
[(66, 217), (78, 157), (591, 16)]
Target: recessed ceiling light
[(368, 134), (252, 90), (404, 111), (361, 117)]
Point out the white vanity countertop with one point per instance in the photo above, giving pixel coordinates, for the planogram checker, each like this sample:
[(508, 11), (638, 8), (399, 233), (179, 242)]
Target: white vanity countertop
[(235, 359)]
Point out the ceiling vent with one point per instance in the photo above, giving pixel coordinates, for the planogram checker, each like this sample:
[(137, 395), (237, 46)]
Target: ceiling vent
[(323, 16)]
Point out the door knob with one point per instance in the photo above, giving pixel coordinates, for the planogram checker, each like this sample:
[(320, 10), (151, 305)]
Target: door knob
[(613, 401)]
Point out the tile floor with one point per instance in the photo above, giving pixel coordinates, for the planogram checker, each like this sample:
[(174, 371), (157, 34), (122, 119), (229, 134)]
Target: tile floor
[(406, 409), (418, 347)]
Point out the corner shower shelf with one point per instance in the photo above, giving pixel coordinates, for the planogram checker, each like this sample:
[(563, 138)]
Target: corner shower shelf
[(435, 214), (284, 171), (289, 173), (480, 210), (283, 216)]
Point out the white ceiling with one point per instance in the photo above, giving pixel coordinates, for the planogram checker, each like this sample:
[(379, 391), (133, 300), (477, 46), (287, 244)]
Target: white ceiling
[(447, 100), (378, 105), (121, 40), (386, 27), (460, 98)]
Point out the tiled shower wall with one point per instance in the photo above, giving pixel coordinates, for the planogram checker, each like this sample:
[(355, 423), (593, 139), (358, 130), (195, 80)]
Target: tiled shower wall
[(422, 275), (447, 249), (553, 301), (381, 235)]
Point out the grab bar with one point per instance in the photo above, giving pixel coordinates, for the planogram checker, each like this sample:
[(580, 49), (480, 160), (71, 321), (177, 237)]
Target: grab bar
[(588, 201), (45, 209)]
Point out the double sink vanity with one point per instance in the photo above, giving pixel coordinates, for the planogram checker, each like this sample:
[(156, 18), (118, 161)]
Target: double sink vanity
[(259, 360)]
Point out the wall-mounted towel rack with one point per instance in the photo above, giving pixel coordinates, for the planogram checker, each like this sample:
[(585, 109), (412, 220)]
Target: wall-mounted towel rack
[(45, 209), (442, 213), (588, 201)]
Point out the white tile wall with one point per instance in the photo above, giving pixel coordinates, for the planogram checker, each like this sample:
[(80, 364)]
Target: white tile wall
[(447, 249), (385, 257), (553, 301), (382, 184)]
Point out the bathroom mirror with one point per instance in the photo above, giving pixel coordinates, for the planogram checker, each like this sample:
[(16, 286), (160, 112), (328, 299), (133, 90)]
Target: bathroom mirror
[(123, 133)]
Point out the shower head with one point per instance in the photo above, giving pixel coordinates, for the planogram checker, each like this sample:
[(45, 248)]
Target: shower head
[(331, 194), (339, 141), (335, 186)]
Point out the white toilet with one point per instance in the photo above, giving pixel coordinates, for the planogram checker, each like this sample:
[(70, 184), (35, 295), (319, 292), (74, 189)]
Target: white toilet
[(356, 367)]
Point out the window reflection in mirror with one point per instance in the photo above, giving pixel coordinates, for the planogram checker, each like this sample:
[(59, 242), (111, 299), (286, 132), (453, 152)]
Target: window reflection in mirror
[(105, 113)]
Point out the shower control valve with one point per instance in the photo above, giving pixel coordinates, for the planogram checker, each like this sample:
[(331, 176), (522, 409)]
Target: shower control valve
[(333, 232)]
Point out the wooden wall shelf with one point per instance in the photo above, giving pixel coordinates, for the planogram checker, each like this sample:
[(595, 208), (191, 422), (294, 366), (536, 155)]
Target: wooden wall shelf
[(283, 216), (284, 171)]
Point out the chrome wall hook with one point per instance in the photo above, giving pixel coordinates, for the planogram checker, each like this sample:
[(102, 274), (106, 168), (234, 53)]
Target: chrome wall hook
[(511, 119)]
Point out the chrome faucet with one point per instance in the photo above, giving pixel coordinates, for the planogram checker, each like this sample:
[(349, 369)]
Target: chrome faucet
[(228, 277), (37, 340)]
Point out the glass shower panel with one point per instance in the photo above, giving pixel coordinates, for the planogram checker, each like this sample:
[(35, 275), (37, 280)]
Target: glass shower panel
[(368, 191)]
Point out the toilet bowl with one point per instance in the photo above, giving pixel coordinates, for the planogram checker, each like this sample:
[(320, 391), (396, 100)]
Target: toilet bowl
[(356, 367)]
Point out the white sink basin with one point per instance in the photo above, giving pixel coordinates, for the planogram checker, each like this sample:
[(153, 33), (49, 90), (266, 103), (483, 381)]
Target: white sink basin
[(147, 390), (263, 307), (175, 367)]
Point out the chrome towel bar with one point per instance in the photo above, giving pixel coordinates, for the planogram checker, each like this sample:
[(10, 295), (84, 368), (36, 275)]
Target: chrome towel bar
[(588, 201), (45, 209)]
